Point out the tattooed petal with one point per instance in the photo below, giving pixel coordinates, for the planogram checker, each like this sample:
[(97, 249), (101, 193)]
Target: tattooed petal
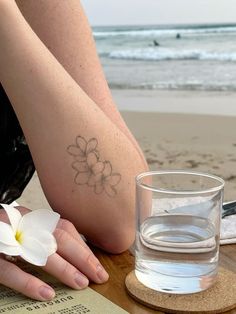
[(81, 158), (97, 153), (92, 159), (82, 178), (90, 168), (114, 179), (98, 177), (110, 191), (75, 151), (92, 180), (80, 166), (81, 143), (91, 146), (98, 167), (107, 169), (98, 189)]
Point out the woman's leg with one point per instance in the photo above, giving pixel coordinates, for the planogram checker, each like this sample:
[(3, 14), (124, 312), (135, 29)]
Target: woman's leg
[(86, 164)]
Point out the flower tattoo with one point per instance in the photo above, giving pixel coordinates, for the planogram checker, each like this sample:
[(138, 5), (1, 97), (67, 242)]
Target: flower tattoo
[(90, 169)]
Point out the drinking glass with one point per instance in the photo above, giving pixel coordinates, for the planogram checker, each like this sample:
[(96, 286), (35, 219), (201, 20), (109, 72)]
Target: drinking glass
[(177, 230)]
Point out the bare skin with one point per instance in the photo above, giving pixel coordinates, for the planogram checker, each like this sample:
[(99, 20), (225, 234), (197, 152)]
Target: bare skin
[(64, 29), (84, 154)]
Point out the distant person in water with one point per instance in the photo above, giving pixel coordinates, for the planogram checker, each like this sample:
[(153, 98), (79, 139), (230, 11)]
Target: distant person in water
[(178, 36), (156, 43)]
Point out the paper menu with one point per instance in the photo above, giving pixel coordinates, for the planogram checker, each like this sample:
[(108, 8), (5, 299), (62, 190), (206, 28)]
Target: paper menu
[(67, 301)]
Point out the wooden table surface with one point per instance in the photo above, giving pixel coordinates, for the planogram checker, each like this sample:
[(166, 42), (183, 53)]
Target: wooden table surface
[(118, 266)]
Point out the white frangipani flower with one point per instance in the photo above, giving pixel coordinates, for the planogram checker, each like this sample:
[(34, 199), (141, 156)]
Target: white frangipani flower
[(29, 236)]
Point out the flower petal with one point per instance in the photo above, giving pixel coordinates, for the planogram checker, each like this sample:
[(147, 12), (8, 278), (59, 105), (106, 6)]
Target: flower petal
[(81, 143), (10, 250), (81, 158), (91, 146), (92, 180), (110, 191), (75, 151), (80, 166), (13, 214), (7, 235), (97, 153), (82, 178), (98, 188), (92, 159), (98, 167), (114, 179), (34, 252), (46, 239), (107, 169), (39, 219)]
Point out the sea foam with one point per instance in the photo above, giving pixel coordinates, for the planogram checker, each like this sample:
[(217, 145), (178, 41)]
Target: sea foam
[(158, 54)]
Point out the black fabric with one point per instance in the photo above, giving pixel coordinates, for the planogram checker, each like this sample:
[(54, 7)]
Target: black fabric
[(16, 164)]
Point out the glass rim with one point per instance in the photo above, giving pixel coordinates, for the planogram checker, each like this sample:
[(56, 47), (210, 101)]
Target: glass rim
[(183, 192)]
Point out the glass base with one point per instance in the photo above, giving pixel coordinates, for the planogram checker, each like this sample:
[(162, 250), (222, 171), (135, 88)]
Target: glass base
[(175, 284)]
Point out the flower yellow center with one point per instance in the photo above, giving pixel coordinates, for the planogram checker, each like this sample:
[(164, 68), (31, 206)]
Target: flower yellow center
[(18, 236)]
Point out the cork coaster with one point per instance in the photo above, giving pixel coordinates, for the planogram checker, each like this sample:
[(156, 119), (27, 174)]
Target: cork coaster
[(221, 297)]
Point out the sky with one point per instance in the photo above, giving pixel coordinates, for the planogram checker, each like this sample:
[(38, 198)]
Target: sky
[(136, 12)]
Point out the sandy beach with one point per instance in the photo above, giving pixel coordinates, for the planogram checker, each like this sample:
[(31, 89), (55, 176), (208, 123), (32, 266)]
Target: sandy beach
[(200, 139), (176, 101)]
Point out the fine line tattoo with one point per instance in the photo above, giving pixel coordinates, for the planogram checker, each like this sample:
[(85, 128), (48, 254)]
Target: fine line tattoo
[(90, 169)]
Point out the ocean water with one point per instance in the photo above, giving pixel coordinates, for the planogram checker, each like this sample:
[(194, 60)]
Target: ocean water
[(189, 57)]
